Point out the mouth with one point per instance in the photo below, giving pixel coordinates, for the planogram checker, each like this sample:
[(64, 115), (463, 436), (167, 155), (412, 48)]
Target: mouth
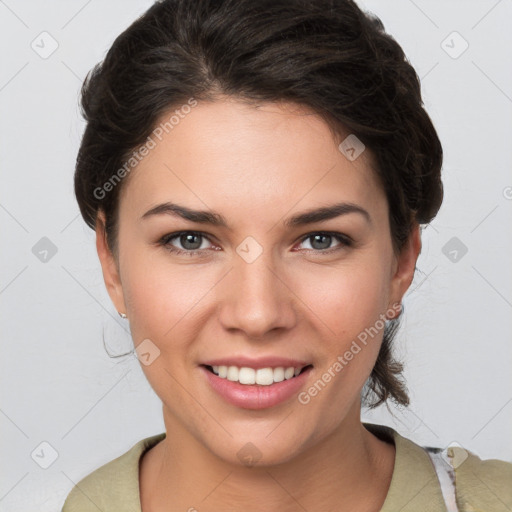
[(263, 387), (257, 376)]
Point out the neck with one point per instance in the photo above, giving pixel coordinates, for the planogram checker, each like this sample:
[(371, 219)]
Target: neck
[(335, 474)]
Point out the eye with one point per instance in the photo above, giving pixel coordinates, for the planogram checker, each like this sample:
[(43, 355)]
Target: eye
[(189, 240), (192, 242), (321, 241)]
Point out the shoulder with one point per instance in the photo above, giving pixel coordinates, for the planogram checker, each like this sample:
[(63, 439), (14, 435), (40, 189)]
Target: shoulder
[(114, 484), (482, 485), (430, 478), (470, 483)]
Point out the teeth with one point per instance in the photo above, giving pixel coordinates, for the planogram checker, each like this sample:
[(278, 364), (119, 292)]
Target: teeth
[(278, 374), (262, 376), (233, 373), (247, 376), (289, 372)]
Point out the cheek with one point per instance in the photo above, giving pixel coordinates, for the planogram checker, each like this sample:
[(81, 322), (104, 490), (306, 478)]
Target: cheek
[(348, 307), (164, 301), (347, 299), (167, 302)]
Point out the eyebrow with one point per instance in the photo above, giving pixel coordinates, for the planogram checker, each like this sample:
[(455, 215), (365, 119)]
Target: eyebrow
[(215, 219)]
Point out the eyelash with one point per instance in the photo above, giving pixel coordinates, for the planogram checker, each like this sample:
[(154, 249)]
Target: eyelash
[(345, 241)]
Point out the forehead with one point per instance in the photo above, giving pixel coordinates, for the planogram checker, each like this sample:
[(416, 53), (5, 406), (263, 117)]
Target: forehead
[(250, 159)]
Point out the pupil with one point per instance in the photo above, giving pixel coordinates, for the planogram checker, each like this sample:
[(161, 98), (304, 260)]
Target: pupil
[(325, 244), (188, 238)]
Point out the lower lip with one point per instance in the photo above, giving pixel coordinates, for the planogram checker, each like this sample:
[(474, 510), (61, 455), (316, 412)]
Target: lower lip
[(254, 396)]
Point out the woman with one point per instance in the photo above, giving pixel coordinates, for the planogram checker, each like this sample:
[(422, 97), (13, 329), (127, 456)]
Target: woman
[(257, 174)]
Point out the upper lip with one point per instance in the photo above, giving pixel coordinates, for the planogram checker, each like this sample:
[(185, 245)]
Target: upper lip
[(256, 363)]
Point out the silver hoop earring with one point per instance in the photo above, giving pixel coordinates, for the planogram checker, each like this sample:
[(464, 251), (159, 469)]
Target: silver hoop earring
[(122, 315)]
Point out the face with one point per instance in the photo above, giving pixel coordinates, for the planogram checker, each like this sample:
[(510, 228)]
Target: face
[(251, 288)]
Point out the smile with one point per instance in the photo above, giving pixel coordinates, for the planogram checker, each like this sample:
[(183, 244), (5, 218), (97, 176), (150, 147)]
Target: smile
[(261, 376), (266, 385)]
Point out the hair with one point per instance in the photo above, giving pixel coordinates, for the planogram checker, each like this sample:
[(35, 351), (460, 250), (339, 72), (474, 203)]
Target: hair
[(327, 55)]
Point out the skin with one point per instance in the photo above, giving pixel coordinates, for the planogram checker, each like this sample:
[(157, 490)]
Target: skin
[(257, 167)]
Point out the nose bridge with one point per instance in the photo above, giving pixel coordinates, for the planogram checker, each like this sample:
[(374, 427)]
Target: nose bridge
[(255, 299)]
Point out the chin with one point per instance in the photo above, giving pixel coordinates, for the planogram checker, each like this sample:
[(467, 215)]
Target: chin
[(265, 444), (256, 454)]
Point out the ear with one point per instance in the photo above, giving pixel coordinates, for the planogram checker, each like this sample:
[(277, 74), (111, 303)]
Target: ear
[(405, 266), (109, 266)]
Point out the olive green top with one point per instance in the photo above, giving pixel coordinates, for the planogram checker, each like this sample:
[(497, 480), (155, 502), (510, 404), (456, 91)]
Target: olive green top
[(481, 485)]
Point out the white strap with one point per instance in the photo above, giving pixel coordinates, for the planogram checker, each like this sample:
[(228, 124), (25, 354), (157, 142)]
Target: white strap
[(446, 477)]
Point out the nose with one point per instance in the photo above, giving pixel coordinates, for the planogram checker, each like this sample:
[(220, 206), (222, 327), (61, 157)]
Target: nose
[(256, 299)]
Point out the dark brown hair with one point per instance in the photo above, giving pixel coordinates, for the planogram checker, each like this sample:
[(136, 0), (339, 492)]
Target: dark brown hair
[(327, 55)]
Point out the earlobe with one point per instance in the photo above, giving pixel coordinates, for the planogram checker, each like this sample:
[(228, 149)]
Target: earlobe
[(109, 266), (405, 266)]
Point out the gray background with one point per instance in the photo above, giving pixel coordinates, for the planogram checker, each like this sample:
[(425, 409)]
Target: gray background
[(58, 384)]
